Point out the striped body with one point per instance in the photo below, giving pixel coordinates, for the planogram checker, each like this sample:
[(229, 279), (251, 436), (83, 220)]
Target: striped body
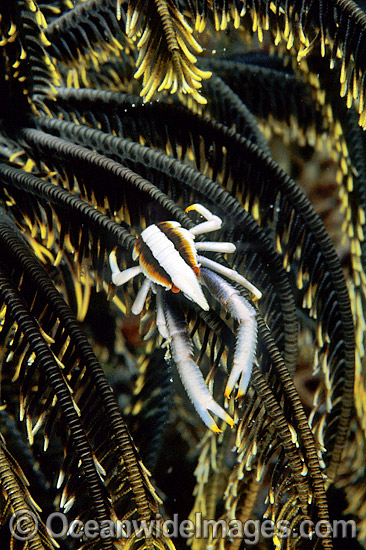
[(167, 256), (168, 259)]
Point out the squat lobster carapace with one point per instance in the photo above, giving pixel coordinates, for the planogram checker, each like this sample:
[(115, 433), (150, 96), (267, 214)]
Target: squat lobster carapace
[(168, 259)]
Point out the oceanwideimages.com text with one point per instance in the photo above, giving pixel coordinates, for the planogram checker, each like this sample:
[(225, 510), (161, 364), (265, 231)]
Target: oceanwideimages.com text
[(25, 524)]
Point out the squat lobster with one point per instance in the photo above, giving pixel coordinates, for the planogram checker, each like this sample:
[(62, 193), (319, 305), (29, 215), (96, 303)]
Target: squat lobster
[(168, 258)]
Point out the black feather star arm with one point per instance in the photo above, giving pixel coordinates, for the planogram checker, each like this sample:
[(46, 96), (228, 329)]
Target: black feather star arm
[(17, 502), (309, 251), (171, 168), (166, 49), (165, 40), (93, 29), (151, 406), (39, 138), (73, 354), (90, 31), (335, 29), (65, 149), (31, 73), (229, 108)]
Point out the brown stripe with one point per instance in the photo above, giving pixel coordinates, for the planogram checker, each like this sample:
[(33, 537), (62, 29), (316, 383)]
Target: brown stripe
[(184, 247), (151, 265)]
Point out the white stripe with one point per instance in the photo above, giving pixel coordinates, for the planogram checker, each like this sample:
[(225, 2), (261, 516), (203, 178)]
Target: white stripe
[(212, 224), (191, 375), (172, 262), (230, 274), (246, 337), (121, 277), (160, 317), (141, 297), (227, 248), (246, 343), (206, 227)]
